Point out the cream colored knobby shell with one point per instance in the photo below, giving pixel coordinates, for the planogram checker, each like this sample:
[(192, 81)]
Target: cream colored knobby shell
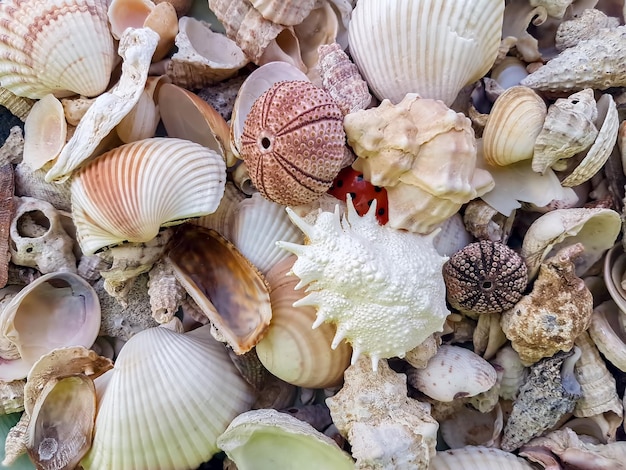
[(129, 192), (62, 47), (428, 47)]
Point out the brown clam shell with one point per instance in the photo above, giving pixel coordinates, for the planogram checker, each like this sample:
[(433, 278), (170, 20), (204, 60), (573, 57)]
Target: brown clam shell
[(226, 286)]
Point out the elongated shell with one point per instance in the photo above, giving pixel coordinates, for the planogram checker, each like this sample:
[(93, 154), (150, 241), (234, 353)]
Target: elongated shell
[(513, 126), (62, 47), (129, 192), (165, 402), (427, 47), (292, 350)]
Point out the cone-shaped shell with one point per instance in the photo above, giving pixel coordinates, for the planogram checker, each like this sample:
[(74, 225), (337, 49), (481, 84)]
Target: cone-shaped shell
[(292, 350), (129, 192), (513, 126), (165, 402), (427, 47), (225, 285), (268, 439), (61, 47)]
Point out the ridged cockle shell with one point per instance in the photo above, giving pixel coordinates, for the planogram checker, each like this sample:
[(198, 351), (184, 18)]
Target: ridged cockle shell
[(293, 142), (382, 287)]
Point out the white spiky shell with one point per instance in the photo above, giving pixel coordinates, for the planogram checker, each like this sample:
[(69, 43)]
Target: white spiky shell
[(428, 47), (382, 287), (166, 401), (61, 47), (129, 192)]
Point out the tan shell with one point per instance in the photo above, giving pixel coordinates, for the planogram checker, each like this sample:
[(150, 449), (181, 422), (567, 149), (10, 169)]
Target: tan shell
[(149, 183), (45, 131), (425, 182), (608, 333), (289, 13), (430, 48), (568, 129), (554, 314), (518, 16), (61, 48), (469, 426), (578, 28), (224, 284), (7, 209), (292, 350), (203, 57), (615, 275), (166, 293), (17, 105), (514, 123), (514, 373)]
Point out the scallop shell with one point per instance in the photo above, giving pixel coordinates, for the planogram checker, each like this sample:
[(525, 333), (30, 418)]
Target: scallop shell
[(291, 349), (56, 310), (129, 192), (225, 285), (55, 47), (425, 47), (190, 392), (473, 457), (293, 142), (514, 123), (256, 225), (452, 373)]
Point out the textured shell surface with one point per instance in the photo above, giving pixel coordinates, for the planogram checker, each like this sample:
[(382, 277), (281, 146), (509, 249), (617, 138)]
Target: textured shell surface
[(289, 13), (7, 207), (473, 457), (184, 408), (293, 142), (608, 334), (129, 192), (62, 47), (450, 44), (382, 287)]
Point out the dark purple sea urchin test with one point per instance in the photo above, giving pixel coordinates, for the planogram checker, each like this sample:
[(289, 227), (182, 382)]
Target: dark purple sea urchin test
[(485, 277)]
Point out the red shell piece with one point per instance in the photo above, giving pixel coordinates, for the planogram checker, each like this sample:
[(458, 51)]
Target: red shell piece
[(351, 181)]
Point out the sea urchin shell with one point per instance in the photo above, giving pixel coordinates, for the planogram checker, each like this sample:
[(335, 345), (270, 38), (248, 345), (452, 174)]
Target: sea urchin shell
[(382, 287), (293, 142), (485, 277)]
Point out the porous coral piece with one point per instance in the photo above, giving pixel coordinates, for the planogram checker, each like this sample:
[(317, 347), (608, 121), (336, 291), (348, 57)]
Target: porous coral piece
[(385, 428), (7, 208), (382, 287), (550, 392), (418, 150), (554, 314)]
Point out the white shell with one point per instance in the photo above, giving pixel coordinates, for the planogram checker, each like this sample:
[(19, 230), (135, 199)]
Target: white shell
[(165, 402), (45, 130), (61, 47), (608, 333), (129, 192), (476, 457), (427, 47), (452, 373)]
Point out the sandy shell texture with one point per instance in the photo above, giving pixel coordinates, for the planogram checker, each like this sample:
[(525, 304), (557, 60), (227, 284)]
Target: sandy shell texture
[(312, 234)]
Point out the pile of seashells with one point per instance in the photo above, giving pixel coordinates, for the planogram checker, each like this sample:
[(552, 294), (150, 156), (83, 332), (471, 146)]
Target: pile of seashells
[(314, 234)]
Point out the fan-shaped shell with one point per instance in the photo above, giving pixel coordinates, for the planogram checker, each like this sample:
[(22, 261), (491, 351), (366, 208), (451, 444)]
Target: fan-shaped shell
[(292, 350), (289, 13), (62, 47), (513, 126), (168, 398), (428, 47), (129, 192)]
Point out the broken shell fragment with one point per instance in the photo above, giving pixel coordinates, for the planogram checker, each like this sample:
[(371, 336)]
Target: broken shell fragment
[(473, 457), (267, 439), (45, 131), (7, 209), (225, 285), (128, 193)]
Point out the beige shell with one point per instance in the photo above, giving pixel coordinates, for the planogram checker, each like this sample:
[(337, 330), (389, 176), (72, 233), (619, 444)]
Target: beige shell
[(596, 228), (191, 392), (615, 275), (136, 47), (425, 182), (292, 350), (225, 285), (452, 373), (289, 13), (166, 293), (7, 210), (488, 337), (514, 373), (469, 426), (518, 16), (609, 334), (203, 57), (474, 457), (129, 192), (581, 27), (514, 123), (17, 105), (45, 131), (593, 160), (486, 223), (56, 310), (568, 129), (427, 47), (59, 47)]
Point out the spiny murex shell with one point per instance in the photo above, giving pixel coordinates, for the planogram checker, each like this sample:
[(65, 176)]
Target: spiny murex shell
[(382, 287)]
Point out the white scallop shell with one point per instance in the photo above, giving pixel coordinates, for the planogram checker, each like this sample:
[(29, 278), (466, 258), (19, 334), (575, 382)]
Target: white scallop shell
[(129, 192), (256, 227), (433, 48), (61, 47), (477, 457), (165, 402)]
